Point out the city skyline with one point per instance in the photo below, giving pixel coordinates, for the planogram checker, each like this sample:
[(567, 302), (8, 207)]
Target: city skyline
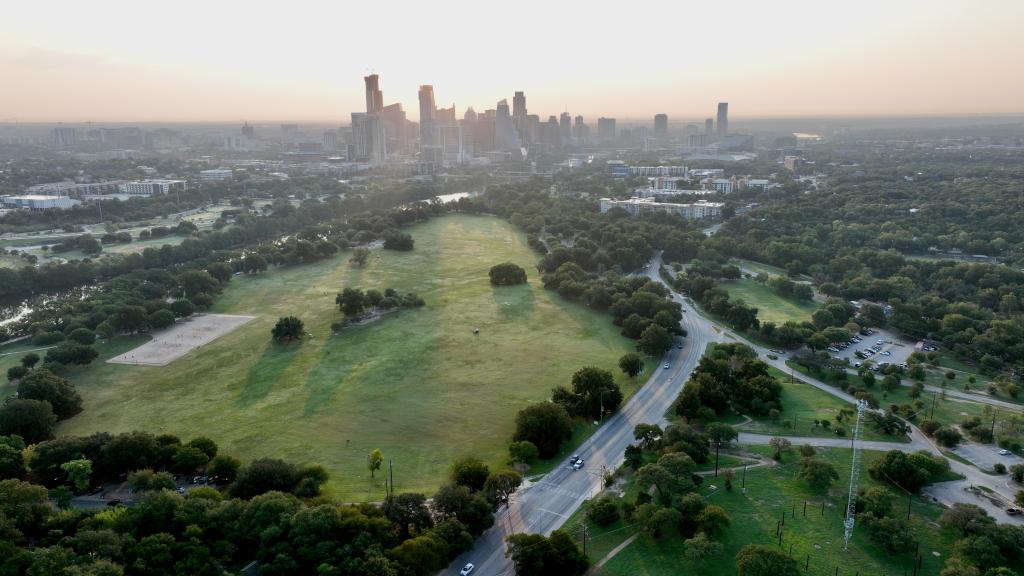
[(783, 60)]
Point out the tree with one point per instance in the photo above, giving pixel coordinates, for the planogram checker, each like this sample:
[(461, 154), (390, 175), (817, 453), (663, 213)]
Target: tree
[(374, 461), (223, 469), (631, 364), (78, 473), (12, 461), (546, 425), (81, 335), (15, 373), (654, 341), (593, 391), (779, 445), (507, 274), (351, 301), (648, 434), (265, 475), (30, 360), (161, 319), (187, 460), (205, 445), (604, 510), (523, 452), (409, 513), (33, 420), (500, 485), (460, 503), (24, 506), (183, 308), (71, 354), (469, 471), (287, 329), (721, 434), (712, 520), (758, 560), (700, 547), (819, 474), (536, 555), (359, 256)]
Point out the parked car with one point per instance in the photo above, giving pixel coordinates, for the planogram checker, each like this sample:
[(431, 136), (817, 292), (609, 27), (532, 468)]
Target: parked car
[(1013, 511), (1004, 452)]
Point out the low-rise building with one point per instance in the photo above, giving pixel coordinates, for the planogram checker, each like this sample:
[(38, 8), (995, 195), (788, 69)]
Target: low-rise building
[(695, 211), (152, 187), (73, 189), (658, 170), (216, 174), (37, 202)]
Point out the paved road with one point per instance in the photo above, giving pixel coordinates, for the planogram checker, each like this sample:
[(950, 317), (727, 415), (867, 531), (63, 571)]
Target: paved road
[(763, 439), (546, 505)]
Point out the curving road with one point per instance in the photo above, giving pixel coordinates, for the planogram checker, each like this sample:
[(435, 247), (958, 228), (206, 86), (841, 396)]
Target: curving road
[(545, 505)]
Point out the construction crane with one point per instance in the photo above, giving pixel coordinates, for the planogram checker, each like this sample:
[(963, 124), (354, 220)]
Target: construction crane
[(851, 500)]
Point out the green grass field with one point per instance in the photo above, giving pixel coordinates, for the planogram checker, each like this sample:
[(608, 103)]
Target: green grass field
[(771, 493), (770, 306), (802, 405), (7, 261), (419, 385)]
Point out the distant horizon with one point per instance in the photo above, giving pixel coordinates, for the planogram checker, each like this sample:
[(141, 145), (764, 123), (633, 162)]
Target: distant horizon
[(108, 61), (633, 119)]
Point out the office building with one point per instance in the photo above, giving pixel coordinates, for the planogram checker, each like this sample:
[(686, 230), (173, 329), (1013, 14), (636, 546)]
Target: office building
[(427, 111), (617, 169), (606, 129), (709, 126), (658, 171), (635, 206), (152, 187), (565, 128), (579, 131), (724, 185), (248, 131), (216, 174), (697, 140), (65, 137), (519, 114), (374, 96), (505, 137), (73, 189), (660, 126), (331, 140), (723, 119), (368, 138)]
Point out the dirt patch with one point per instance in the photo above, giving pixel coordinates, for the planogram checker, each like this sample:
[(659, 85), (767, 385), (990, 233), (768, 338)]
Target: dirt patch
[(186, 335)]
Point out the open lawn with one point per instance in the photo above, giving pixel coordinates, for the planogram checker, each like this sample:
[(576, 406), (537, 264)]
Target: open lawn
[(770, 306), (948, 411), (802, 405), (774, 492), (419, 384), (7, 261)]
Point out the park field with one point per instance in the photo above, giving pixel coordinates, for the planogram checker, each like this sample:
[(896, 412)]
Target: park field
[(770, 306), (814, 538), (418, 384)]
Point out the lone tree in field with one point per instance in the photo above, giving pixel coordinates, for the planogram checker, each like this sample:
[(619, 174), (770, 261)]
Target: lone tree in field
[(631, 364), (359, 256), (507, 274), (287, 329), (374, 461)]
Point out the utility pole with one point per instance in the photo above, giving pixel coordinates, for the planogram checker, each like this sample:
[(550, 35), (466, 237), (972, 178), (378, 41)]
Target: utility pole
[(992, 432), (718, 446), (934, 395)]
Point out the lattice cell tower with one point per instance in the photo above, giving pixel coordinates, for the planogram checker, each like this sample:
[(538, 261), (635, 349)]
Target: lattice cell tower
[(851, 500)]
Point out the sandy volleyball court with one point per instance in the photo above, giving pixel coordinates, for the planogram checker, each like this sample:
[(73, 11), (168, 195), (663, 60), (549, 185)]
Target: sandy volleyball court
[(180, 339)]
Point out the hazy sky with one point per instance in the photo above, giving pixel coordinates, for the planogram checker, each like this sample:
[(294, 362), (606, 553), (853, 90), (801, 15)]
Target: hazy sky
[(301, 60)]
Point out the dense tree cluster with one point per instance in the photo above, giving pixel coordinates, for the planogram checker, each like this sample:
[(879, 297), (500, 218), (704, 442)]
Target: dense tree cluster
[(909, 471), (854, 236), (268, 511), (729, 376), (594, 392)]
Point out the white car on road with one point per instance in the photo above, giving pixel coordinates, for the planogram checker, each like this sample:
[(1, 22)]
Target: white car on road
[(467, 570)]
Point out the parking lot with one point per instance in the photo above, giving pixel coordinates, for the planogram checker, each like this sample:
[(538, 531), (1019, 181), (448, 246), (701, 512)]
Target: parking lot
[(879, 346)]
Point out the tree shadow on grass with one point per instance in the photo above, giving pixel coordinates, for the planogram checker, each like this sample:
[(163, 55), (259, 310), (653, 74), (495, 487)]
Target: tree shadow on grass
[(266, 372), (514, 302)]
